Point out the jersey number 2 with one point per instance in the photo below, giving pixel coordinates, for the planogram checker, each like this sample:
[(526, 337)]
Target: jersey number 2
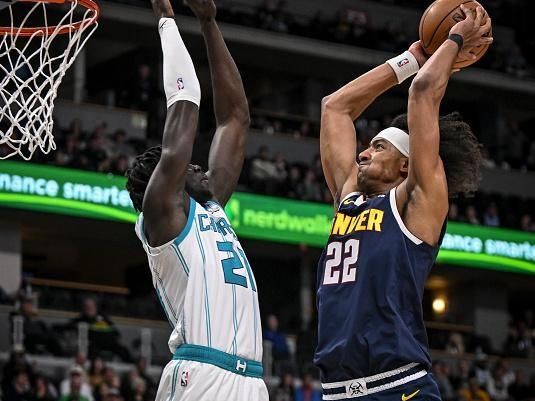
[(234, 262), (341, 265)]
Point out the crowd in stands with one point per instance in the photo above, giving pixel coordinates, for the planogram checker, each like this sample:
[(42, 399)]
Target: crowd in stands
[(353, 26), (271, 174), (85, 380), (464, 372)]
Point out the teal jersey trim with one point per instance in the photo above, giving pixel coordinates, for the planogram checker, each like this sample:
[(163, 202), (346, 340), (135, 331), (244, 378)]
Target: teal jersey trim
[(163, 306), (232, 363), (206, 302), (173, 387), (187, 228), (181, 259)]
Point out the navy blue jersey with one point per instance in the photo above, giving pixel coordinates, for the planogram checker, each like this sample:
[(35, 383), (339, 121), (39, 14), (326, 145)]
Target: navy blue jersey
[(370, 285)]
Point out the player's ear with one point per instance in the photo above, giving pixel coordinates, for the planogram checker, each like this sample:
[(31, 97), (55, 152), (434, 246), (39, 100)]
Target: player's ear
[(404, 166)]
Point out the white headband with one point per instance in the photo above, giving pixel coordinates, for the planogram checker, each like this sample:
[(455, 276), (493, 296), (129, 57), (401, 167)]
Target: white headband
[(397, 137)]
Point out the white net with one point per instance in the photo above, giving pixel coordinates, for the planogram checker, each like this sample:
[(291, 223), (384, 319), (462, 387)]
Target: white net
[(33, 61)]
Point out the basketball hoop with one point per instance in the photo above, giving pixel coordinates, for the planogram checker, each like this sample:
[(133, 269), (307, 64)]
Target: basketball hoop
[(33, 61)]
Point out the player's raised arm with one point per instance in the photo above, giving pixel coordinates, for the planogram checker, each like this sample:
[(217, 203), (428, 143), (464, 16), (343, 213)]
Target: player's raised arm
[(426, 182), (338, 142), (164, 202), (230, 106)]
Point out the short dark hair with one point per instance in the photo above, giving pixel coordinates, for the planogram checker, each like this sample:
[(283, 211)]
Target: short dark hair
[(139, 174), (460, 152)]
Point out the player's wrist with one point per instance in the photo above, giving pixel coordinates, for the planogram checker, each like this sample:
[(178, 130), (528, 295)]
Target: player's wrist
[(404, 65), (208, 22), (457, 39)]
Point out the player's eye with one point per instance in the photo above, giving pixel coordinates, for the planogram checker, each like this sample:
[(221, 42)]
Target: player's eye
[(379, 146)]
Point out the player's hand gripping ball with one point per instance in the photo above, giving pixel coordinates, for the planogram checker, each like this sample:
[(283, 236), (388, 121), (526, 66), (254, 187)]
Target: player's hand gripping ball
[(442, 15)]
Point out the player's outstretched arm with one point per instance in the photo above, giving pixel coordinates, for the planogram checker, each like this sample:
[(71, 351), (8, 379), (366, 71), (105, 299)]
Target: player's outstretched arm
[(165, 202), (230, 106), (426, 186), (338, 141)]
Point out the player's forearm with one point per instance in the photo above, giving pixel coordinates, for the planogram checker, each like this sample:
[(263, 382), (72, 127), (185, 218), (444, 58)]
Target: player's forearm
[(230, 101), (434, 76), (356, 96)]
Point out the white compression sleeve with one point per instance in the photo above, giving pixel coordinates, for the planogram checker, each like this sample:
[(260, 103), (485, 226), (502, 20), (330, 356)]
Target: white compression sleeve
[(179, 78)]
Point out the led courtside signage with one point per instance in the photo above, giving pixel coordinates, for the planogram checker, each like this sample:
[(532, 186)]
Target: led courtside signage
[(101, 196)]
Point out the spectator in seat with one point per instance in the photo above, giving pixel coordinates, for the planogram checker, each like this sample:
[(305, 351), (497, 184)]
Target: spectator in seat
[(20, 388), (96, 372), (263, 171), (294, 178), (141, 369), (471, 215), (462, 376), (307, 391), (18, 362), (103, 335), (309, 188), (38, 337), (120, 145), (111, 381), (75, 386), (286, 389), (491, 217), (453, 213), (77, 378), (440, 371), (44, 390), (280, 174), (279, 346), (119, 165), (113, 394), (455, 344), (526, 223), (473, 392), (139, 391), (497, 385)]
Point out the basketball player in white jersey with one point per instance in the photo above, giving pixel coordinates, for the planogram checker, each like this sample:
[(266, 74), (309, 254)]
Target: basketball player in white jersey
[(199, 269)]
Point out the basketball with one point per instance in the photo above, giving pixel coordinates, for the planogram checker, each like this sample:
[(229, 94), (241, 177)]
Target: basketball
[(437, 21)]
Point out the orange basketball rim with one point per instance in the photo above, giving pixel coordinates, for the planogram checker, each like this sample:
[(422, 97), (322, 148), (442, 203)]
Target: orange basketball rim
[(90, 17)]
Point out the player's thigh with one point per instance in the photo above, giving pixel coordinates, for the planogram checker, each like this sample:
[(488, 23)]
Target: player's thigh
[(195, 381), (422, 389)]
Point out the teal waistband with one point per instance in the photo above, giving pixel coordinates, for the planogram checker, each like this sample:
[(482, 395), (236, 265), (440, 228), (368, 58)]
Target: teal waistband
[(232, 363)]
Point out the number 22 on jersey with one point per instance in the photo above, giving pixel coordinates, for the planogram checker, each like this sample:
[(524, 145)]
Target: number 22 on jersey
[(341, 262)]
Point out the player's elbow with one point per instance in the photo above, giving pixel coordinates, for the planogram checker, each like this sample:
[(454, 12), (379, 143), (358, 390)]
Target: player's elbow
[(422, 84), (426, 88), (330, 103), (242, 119)]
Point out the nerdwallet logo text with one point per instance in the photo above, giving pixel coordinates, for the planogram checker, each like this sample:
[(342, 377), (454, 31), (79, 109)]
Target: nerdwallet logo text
[(283, 220)]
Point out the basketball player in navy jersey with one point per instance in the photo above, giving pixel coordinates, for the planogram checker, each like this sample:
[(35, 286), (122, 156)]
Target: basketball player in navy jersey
[(391, 208)]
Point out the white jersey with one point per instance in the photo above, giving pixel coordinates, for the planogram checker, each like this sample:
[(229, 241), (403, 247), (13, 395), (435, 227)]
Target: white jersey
[(206, 285)]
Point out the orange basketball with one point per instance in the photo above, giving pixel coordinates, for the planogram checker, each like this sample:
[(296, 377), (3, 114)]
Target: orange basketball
[(437, 21)]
